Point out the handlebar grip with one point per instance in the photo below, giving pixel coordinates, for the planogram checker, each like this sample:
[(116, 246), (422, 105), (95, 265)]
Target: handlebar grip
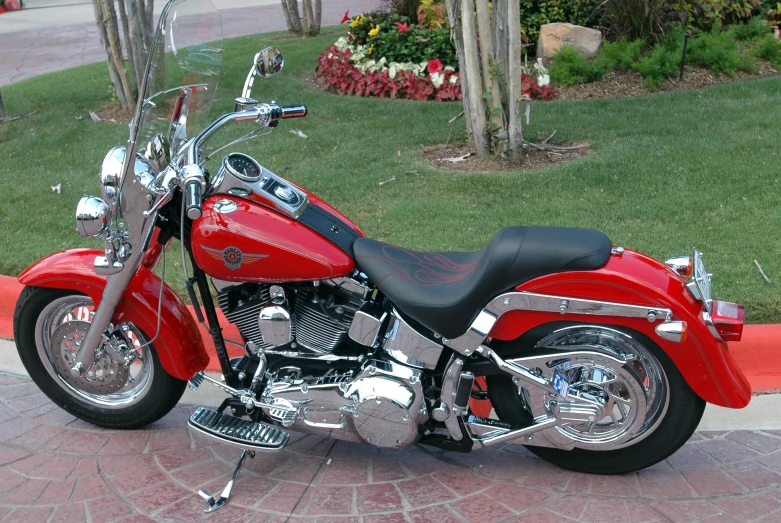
[(192, 199), (293, 111)]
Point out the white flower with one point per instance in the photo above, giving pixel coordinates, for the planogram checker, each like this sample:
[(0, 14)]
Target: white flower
[(392, 71), (453, 80), (450, 69), (543, 80), (437, 79), (342, 44)]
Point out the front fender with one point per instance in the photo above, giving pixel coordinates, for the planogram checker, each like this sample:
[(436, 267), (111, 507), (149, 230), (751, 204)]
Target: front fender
[(179, 344), (636, 279)]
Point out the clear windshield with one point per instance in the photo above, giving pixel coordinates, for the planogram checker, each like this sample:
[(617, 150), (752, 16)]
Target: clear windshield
[(182, 74)]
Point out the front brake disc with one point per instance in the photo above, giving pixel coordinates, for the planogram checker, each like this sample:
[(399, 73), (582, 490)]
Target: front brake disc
[(107, 374)]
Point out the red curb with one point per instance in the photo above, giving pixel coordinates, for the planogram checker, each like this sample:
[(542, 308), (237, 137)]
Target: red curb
[(756, 354)]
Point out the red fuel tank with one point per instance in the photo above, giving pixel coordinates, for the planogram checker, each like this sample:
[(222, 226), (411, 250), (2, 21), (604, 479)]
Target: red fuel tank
[(256, 244)]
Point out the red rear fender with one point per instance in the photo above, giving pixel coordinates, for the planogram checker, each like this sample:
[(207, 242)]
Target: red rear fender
[(636, 279), (179, 345)]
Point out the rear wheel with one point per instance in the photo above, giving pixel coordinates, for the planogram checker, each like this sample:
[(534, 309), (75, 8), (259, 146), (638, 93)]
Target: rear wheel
[(125, 388), (649, 410)]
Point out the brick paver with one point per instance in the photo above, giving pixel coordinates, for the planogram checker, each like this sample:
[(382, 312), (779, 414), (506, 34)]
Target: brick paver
[(56, 468)]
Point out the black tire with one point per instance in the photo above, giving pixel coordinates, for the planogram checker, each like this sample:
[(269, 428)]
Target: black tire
[(164, 390), (683, 414)]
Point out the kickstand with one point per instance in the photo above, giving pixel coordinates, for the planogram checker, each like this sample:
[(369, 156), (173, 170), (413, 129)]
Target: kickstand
[(226, 492)]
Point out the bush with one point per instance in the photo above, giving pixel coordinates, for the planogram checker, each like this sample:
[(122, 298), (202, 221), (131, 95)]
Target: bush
[(633, 19), (754, 29), (662, 62), (721, 52), (697, 16), (621, 55), (769, 48), (569, 67), (535, 13)]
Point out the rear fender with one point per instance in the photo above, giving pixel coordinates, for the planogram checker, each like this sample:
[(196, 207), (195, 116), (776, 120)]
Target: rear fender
[(636, 279), (179, 344)]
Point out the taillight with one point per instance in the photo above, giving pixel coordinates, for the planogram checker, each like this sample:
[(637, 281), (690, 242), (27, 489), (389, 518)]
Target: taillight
[(727, 319)]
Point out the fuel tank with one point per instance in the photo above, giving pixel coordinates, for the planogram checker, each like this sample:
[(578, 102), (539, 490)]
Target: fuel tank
[(240, 240)]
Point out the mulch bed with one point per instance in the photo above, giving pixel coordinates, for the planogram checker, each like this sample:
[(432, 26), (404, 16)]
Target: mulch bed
[(439, 155), (625, 84)]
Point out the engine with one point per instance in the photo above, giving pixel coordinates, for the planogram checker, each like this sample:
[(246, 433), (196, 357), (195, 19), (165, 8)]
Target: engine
[(369, 398), (318, 315)]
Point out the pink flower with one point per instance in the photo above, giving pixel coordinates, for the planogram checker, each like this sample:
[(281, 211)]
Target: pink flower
[(402, 27), (434, 66), (346, 17)]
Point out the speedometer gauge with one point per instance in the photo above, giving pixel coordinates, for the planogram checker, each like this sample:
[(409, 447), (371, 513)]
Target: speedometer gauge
[(242, 167)]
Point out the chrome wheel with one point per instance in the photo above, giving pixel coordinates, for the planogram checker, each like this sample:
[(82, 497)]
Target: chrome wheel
[(123, 370), (635, 395)]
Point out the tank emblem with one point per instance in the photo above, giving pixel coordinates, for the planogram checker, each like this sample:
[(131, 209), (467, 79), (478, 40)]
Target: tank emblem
[(233, 258)]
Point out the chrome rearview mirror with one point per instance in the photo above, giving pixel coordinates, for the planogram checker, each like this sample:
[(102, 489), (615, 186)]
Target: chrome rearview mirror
[(268, 62)]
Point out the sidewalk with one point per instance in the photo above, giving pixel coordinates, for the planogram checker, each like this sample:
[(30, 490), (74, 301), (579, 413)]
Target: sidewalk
[(38, 41), (54, 466)]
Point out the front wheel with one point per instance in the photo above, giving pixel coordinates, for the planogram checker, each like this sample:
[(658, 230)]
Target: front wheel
[(650, 410), (125, 388)]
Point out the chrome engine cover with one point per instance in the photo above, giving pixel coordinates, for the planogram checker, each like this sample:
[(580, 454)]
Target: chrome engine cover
[(382, 405)]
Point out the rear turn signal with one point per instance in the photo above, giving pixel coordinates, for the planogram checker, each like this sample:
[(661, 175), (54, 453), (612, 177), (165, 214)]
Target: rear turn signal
[(674, 331), (727, 319), (683, 265)]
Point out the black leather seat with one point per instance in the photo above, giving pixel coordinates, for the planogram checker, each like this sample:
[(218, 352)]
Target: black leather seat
[(445, 291)]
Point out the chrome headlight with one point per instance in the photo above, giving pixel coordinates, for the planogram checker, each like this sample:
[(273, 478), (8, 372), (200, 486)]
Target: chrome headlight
[(93, 217), (111, 170)]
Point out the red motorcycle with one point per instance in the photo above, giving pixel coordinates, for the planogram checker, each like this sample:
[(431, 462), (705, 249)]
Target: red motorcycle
[(597, 358)]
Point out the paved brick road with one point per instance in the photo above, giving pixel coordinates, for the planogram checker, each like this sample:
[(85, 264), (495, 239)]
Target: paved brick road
[(56, 468)]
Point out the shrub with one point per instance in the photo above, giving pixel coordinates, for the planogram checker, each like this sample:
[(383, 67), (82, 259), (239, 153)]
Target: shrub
[(535, 13), (769, 48), (754, 29), (633, 19), (721, 52), (697, 16), (569, 67), (662, 62), (620, 55)]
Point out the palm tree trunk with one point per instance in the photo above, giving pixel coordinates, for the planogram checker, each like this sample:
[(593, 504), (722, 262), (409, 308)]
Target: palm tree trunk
[(515, 86)]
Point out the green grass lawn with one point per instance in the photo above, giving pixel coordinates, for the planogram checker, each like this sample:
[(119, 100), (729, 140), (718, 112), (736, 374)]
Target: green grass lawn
[(668, 172)]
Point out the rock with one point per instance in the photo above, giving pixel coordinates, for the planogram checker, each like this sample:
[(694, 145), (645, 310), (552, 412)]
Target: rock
[(553, 36)]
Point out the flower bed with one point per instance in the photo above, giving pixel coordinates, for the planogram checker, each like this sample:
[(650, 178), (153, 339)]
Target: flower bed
[(386, 56)]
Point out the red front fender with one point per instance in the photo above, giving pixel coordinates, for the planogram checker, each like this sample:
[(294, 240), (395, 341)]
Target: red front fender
[(179, 345), (636, 279)]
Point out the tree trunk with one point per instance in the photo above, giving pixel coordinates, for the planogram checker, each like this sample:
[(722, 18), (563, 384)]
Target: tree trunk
[(292, 17), (102, 20), (2, 107), (137, 39), (470, 68), (454, 20), (490, 80), (318, 15), (515, 87), (143, 16), (500, 44), (128, 44), (115, 50), (309, 17)]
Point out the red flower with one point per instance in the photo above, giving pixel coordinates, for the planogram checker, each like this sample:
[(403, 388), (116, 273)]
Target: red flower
[(402, 27), (434, 66), (346, 17)]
